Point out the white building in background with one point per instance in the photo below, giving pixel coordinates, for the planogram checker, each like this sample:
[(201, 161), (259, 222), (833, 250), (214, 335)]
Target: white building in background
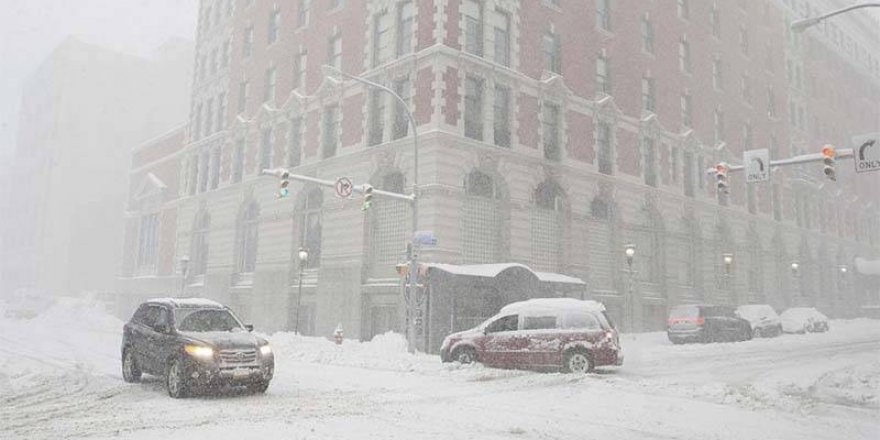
[(81, 112)]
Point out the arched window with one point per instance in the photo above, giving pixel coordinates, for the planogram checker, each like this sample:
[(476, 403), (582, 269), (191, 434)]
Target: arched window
[(311, 226), (199, 250), (547, 227), (389, 226), (481, 220), (248, 237)]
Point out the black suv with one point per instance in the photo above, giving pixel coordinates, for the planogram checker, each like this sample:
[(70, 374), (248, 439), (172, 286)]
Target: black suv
[(194, 343), (706, 323)]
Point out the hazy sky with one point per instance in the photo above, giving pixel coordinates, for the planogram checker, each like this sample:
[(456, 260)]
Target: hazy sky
[(30, 29)]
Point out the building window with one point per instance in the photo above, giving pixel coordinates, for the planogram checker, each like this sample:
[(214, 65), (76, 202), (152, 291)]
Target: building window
[(243, 88), (204, 162), (502, 38), (480, 220), (247, 47), (715, 21), (403, 88), (269, 86), (747, 136), (546, 230), (777, 202), (302, 18), (199, 251), (647, 34), (331, 131), (265, 149), (299, 69), (193, 181), (701, 172), (334, 50), (675, 167), (604, 157), (717, 73), (686, 110), (751, 199), (387, 231), (148, 240), (684, 55), (501, 116), (274, 24), (221, 111), (603, 14), (405, 14), (311, 226), (209, 117), (550, 132), (650, 159), (648, 100), (376, 132), (771, 102), (744, 40), (603, 75), (294, 143), (552, 52), (718, 123), (248, 237), (381, 38), (238, 161), (214, 169), (473, 108), (473, 27), (688, 162), (684, 9)]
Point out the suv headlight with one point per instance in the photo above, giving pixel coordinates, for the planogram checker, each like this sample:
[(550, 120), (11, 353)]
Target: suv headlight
[(265, 350), (199, 351)]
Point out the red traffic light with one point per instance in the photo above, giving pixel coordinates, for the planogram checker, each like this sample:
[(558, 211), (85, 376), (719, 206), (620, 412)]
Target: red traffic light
[(829, 152)]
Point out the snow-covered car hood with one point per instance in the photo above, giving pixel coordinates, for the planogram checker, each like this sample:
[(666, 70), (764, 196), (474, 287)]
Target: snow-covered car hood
[(226, 340)]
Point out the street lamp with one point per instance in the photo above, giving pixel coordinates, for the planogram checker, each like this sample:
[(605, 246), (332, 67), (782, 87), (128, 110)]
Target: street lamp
[(332, 72), (843, 270), (184, 269), (795, 268), (727, 258), (629, 250), (303, 255), (802, 25)]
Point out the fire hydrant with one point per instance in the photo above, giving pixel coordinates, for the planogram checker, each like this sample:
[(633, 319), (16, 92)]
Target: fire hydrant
[(338, 334)]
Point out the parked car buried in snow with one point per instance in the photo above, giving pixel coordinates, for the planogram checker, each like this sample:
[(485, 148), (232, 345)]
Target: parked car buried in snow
[(559, 333), (765, 322), (706, 323), (194, 344), (803, 320)]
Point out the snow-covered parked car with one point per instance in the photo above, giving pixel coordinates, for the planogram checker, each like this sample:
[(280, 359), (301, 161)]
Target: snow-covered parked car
[(706, 323), (560, 333), (194, 344), (803, 320), (765, 322)]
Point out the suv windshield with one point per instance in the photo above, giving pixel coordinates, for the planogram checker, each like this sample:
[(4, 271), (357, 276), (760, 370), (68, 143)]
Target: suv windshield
[(206, 320)]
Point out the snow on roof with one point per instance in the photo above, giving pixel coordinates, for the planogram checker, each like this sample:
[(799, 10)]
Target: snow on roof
[(552, 305), (492, 270), (867, 267), (188, 302)]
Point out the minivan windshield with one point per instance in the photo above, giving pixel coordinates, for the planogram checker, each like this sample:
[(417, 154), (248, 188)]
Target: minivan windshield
[(206, 320)]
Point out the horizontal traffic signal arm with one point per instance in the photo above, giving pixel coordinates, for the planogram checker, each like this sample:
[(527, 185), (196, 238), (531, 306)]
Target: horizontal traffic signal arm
[(804, 158), (278, 172)]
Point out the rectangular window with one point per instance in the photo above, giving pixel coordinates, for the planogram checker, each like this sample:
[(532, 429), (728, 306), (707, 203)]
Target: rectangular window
[(744, 40), (684, 9), (204, 163), (552, 53), (715, 21), (221, 111), (265, 149), (403, 88), (299, 69), (675, 168), (473, 108), (209, 116), (551, 132), (148, 240), (294, 149), (302, 18), (684, 55), (193, 181), (274, 24), (242, 96), (334, 50), (603, 14), (247, 45), (473, 27), (381, 38), (719, 126), (604, 157), (502, 38), (214, 169), (747, 136), (688, 174), (603, 75), (501, 116), (377, 117), (269, 88), (701, 172), (717, 74), (648, 100), (746, 89), (197, 122), (686, 111), (650, 162), (405, 14), (771, 102), (647, 34), (331, 131), (238, 161)]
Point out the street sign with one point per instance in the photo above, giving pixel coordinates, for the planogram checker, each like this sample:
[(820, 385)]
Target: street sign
[(425, 238), (757, 164), (343, 187), (866, 152)]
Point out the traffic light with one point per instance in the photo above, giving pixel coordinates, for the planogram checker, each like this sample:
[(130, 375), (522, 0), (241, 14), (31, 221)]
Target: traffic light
[(721, 178), (828, 158), (282, 187), (368, 197)]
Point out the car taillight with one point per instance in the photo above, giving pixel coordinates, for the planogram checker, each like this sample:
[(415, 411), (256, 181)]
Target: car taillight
[(700, 320)]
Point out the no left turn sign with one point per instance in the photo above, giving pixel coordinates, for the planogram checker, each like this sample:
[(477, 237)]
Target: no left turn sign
[(344, 187)]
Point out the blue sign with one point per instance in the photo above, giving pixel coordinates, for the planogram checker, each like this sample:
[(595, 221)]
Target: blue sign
[(425, 238)]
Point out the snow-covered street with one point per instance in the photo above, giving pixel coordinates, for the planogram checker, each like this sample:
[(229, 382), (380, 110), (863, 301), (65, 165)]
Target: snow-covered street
[(60, 378)]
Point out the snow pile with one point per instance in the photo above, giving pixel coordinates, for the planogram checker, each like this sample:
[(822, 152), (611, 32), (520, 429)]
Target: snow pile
[(858, 385)]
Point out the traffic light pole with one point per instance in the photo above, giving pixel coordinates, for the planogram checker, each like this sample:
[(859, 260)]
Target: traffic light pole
[(804, 158), (360, 189)]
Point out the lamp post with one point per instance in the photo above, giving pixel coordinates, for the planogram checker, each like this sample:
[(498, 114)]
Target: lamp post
[(303, 255), (629, 250), (330, 72), (795, 273), (802, 25), (184, 270)]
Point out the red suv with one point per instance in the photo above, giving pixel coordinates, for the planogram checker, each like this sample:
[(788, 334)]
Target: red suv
[(560, 333)]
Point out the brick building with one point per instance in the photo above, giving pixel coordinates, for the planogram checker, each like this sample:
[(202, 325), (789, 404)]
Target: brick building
[(551, 134)]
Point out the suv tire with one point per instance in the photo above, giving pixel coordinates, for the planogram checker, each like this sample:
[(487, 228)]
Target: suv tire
[(259, 387), (130, 371), (175, 380), (578, 361), (464, 355)]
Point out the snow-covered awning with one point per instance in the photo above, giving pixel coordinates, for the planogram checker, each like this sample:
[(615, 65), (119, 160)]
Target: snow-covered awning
[(867, 267), (492, 270)]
